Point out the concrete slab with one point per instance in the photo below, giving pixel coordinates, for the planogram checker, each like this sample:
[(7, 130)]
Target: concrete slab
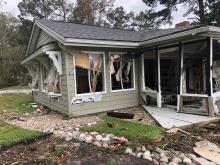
[(169, 118)]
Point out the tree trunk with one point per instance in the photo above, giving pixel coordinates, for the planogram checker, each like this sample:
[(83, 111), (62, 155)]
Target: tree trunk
[(202, 12)]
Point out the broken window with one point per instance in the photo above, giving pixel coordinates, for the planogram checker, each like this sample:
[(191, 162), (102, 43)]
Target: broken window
[(89, 69), (35, 80), (121, 71), (51, 79), (44, 73)]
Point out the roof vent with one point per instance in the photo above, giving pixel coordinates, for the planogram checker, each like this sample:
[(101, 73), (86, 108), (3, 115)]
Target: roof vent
[(183, 24)]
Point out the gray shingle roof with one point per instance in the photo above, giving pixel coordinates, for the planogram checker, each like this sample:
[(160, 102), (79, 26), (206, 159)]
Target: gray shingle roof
[(79, 31)]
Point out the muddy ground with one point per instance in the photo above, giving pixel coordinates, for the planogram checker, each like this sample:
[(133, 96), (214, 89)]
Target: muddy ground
[(49, 150)]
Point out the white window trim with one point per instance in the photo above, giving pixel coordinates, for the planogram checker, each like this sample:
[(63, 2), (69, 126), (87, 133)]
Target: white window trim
[(134, 78), (104, 71)]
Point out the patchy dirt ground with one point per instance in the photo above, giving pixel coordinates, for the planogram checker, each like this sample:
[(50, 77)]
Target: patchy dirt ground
[(50, 150), (55, 121), (183, 142)]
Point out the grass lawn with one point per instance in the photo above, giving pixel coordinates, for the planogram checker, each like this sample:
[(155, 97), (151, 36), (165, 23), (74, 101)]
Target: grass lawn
[(135, 132), (14, 87), (16, 103), (10, 134)]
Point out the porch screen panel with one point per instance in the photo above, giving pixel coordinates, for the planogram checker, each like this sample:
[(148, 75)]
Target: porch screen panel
[(216, 66), (195, 68), (150, 71)]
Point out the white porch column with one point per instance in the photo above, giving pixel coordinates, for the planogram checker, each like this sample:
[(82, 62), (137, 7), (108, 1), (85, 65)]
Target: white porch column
[(180, 89), (159, 97), (210, 92)]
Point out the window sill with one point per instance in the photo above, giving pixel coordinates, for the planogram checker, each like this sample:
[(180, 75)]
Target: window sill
[(35, 90), (54, 95), (123, 90)]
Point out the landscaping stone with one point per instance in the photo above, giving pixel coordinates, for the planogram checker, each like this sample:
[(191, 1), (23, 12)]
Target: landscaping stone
[(155, 162), (191, 156), (173, 163), (105, 145), (138, 148), (177, 160), (77, 129), (187, 161), (143, 148), (182, 156), (139, 154), (160, 151), (88, 139), (99, 137), (82, 137), (164, 159), (128, 151), (98, 144)]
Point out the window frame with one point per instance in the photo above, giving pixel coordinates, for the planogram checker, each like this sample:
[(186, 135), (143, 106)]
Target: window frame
[(42, 80), (104, 78), (134, 78)]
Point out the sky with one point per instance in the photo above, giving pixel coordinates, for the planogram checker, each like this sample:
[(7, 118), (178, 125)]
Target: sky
[(129, 5)]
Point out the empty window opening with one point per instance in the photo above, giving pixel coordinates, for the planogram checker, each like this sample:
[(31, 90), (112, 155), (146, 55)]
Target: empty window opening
[(89, 69), (121, 71)]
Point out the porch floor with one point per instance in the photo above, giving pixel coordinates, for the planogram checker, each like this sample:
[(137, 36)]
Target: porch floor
[(169, 118)]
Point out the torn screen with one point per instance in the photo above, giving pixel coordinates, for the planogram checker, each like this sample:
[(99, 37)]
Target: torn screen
[(121, 70), (89, 72)]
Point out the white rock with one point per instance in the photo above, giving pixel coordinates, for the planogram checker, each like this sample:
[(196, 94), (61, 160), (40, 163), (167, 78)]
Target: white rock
[(89, 124), (106, 139), (177, 160), (173, 163), (77, 129), (129, 151), (164, 159), (88, 139), (93, 133), (99, 137), (138, 149), (155, 162), (182, 156), (160, 151), (146, 155), (98, 144), (68, 138), (76, 134), (192, 156), (187, 161), (139, 154), (105, 145), (143, 148), (82, 137), (49, 130)]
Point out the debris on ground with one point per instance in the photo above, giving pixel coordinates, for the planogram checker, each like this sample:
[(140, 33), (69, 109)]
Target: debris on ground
[(208, 150), (175, 130)]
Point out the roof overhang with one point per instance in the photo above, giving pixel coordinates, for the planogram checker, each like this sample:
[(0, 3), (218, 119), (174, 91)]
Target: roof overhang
[(197, 31), (39, 52), (87, 42)]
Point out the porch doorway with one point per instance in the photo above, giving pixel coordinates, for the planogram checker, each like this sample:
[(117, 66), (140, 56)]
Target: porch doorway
[(161, 76)]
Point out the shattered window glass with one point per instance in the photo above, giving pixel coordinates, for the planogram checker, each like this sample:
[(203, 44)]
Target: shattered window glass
[(89, 72), (121, 71)]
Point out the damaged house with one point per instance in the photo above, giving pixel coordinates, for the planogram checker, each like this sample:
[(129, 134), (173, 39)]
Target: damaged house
[(81, 69)]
